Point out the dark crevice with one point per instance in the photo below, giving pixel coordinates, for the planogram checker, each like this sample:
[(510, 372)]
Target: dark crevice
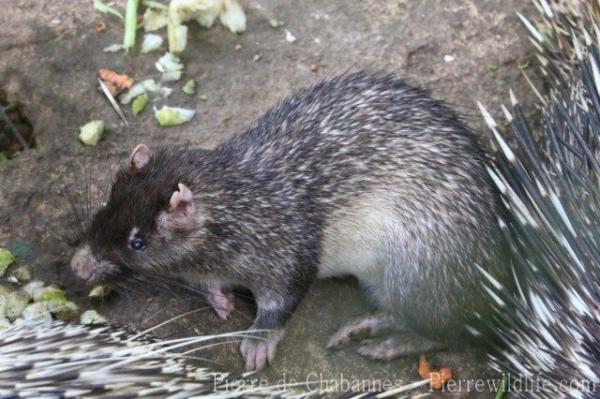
[(16, 131)]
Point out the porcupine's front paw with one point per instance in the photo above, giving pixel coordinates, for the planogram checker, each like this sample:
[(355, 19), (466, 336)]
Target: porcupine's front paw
[(259, 349), (221, 300)]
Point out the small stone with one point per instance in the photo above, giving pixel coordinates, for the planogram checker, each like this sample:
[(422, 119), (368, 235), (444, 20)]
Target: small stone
[(92, 317), (16, 302), (238, 47), (314, 67), (257, 57), (289, 37), (449, 58), (4, 323), (22, 274)]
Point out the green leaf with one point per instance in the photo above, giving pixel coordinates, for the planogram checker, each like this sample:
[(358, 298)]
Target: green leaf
[(275, 23), (103, 8), (139, 104), (156, 5), (172, 116), (6, 259), (54, 295), (189, 87), (130, 24)]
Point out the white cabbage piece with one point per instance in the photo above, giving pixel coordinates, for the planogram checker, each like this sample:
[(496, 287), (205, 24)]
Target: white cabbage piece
[(152, 42), (154, 20), (233, 16), (173, 116), (205, 12)]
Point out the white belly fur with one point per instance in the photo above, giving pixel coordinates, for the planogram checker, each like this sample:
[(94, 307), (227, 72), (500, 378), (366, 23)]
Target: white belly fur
[(355, 239)]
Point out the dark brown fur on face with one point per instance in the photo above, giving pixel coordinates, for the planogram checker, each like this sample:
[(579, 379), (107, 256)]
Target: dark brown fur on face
[(361, 175)]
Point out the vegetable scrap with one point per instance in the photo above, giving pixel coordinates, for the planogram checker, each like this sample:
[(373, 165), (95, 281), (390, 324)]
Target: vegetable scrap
[(139, 104), (189, 87), (437, 378), (155, 5), (151, 43), (275, 23), (205, 13), (173, 116), (101, 27), (154, 20), (35, 300), (148, 86), (91, 133), (105, 9), (92, 317), (113, 48), (6, 259), (115, 82), (100, 291), (130, 24)]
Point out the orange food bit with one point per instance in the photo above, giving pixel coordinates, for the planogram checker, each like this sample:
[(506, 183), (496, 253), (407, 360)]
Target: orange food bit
[(101, 27), (115, 82), (437, 378)]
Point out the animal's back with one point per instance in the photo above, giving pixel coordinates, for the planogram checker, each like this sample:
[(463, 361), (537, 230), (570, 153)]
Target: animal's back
[(358, 132), (394, 185)]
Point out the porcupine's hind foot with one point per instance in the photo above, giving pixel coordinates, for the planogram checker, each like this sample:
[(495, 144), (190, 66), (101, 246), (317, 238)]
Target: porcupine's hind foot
[(363, 327), (397, 345)]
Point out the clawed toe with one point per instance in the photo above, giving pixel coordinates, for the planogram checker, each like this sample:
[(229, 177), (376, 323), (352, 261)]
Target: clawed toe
[(398, 345), (222, 301), (340, 338), (356, 329), (259, 350), (386, 349)]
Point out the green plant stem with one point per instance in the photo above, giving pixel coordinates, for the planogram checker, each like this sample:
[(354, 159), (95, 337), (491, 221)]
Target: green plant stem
[(130, 24)]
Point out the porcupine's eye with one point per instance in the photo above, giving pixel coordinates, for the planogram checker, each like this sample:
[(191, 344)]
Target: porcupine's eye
[(137, 244)]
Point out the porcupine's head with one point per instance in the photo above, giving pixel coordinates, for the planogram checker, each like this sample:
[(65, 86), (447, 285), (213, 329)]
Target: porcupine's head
[(148, 223)]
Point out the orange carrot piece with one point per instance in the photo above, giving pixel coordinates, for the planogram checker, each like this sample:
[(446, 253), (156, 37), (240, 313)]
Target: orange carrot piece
[(437, 377)]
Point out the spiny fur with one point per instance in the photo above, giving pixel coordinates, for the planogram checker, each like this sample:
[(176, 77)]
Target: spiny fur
[(52, 359), (549, 181), (363, 174)]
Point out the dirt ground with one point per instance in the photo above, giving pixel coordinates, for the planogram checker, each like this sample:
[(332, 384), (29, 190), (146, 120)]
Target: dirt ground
[(463, 50)]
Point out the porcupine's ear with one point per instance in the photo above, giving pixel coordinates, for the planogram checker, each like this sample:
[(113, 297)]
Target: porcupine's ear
[(182, 212), (140, 156)]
